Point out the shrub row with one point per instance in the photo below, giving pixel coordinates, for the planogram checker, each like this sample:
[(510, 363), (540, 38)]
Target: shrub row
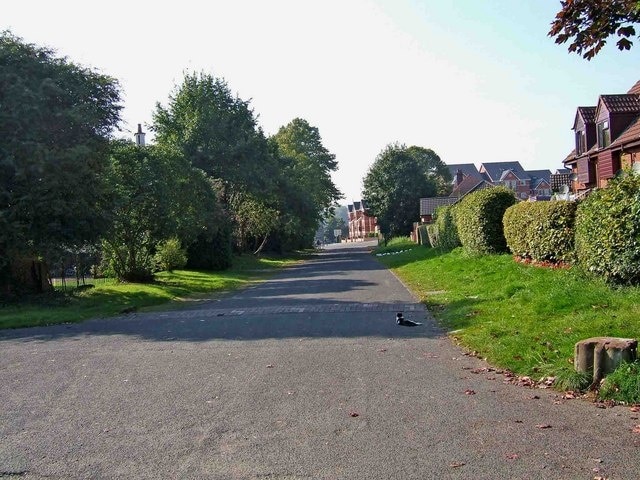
[(541, 231), (608, 231), (601, 233), (479, 220), (443, 234)]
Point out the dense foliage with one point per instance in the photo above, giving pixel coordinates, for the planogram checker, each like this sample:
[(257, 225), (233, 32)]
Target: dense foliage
[(71, 196), (396, 181), (589, 23), (541, 231), (55, 120), (443, 233), (479, 220), (608, 231)]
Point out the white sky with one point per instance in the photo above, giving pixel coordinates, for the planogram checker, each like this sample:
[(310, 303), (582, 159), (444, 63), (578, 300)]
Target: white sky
[(475, 80)]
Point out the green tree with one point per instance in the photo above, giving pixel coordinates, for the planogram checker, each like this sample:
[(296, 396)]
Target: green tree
[(396, 181), (305, 183), (156, 195), (217, 132), (312, 162), (588, 24), (55, 120)]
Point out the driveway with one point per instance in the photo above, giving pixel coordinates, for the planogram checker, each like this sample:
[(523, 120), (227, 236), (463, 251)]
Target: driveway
[(305, 376)]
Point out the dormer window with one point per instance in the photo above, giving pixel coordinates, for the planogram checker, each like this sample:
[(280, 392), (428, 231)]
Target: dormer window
[(604, 135)]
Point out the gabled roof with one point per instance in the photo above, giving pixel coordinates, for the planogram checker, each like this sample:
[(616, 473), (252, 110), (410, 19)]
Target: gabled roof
[(630, 135), (363, 203), (635, 88), (356, 206), (350, 208), (588, 115), (535, 184), (429, 205), (468, 185), (537, 174), (468, 170), (626, 103), (494, 170), (561, 171)]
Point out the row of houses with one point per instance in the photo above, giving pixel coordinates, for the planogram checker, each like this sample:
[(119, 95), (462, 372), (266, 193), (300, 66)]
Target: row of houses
[(526, 184), (607, 139)]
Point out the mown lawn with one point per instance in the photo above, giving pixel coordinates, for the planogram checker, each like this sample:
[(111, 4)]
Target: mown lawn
[(520, 317), (169, 290)]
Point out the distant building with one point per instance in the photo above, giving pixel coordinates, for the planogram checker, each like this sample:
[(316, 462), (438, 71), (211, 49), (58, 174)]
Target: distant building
[(361, 224)]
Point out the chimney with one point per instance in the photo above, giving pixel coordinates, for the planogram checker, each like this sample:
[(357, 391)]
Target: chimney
[(459, 177), (140, 136)]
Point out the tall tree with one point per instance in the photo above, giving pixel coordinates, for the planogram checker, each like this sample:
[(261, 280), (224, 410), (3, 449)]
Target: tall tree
[(588, 24), (217, 131), (55, 120), (396, 181), (310, 164)]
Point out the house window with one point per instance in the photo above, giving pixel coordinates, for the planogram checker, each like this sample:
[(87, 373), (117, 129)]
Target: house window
[(604, 135), (581, 142)]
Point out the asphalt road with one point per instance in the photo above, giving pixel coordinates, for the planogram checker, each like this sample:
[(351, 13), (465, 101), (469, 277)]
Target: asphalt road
[(305, 376)]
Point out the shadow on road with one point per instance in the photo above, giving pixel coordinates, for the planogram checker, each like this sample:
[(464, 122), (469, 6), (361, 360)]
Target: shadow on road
[(339, 293)]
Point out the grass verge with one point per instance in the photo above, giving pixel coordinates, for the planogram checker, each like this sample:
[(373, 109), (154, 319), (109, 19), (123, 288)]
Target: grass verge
[(170, 289), (520, 317)]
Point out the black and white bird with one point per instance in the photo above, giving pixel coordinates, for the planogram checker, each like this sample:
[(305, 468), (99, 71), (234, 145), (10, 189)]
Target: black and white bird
[(400, 320)]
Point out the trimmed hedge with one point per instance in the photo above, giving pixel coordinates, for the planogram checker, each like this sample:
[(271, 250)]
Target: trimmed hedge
[(608, 231), (541, 231), (443, 234), (479, 220)]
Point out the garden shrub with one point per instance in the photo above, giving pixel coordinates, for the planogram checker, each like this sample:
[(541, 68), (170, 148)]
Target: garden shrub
[(479, 220), (608, 231), (170, 255), (541, 231), (443, 234)]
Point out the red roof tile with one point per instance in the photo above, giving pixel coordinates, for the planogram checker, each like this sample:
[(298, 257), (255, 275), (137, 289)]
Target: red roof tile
[(588, 114)]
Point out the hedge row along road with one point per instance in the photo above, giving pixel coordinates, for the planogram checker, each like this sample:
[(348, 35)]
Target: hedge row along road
[(303, 376)]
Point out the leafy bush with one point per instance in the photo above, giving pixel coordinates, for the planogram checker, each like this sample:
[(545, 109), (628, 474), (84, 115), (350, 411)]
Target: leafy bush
[(443, 234), (211, 252), (622, 385), (479, 220), (608, 231), (170, 255), (541, 231)]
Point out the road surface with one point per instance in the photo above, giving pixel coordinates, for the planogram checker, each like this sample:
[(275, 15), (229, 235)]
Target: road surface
[(305, 376)]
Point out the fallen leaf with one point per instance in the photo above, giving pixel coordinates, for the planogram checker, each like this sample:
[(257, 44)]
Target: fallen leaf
[(270, 366), (519, 421), (635, 409), (354, 414), (456, 464), (382, 350), (543, 426), (535, 397), (469, 392), (512, 456), (636, 429)]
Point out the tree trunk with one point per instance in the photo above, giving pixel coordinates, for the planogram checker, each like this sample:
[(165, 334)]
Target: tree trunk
[(264, 242)]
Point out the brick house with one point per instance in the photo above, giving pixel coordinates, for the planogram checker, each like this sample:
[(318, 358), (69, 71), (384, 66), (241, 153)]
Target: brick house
[(361, 224), (607, 139)]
